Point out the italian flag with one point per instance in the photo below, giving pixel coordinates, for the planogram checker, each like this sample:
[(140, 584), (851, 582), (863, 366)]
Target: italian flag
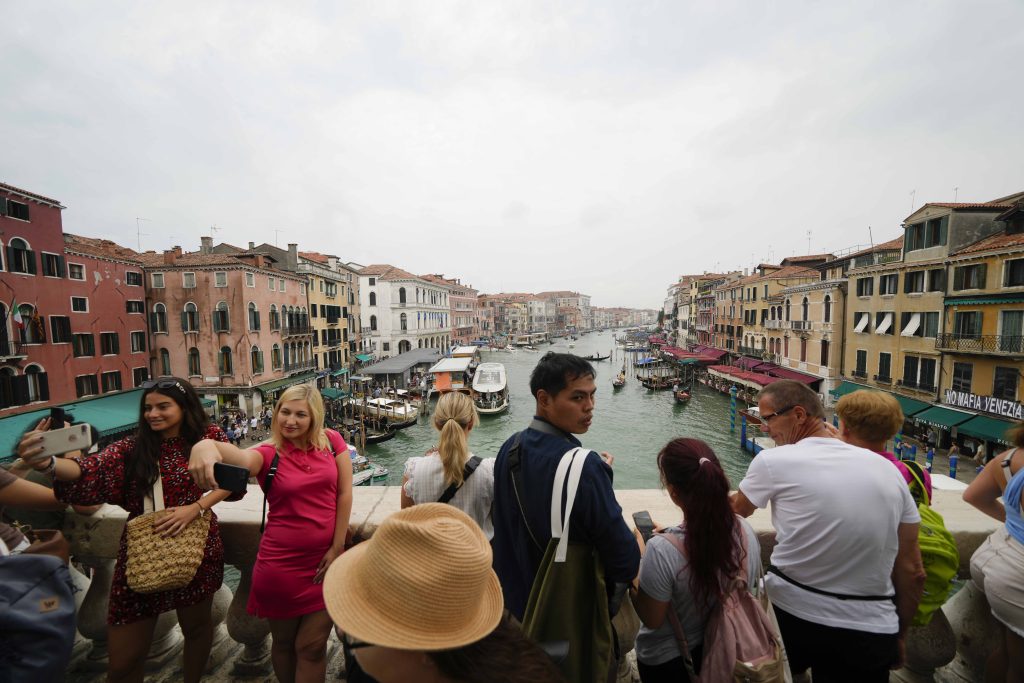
[(16, 315)]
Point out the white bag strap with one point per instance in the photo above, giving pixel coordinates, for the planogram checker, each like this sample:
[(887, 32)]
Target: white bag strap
[(156, 500), (570, 465)]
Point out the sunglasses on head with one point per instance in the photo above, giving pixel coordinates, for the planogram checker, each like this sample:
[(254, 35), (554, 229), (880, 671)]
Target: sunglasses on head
[(163, 384)]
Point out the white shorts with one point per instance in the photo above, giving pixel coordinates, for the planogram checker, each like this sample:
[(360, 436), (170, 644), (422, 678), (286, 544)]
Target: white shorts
[(998, 568)]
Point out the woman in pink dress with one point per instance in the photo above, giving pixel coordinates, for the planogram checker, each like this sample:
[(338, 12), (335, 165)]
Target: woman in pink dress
[(310, 501)]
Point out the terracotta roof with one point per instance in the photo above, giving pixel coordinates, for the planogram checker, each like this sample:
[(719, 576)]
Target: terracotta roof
[(33, 195), (809, 257), (969, 205), (315, 256), (561, 294), (1000, 241), (101, 248), (792, 271), (387, 272), (884, 246), (152, 259)]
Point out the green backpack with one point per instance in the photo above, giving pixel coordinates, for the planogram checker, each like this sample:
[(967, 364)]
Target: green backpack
[(938, 551)]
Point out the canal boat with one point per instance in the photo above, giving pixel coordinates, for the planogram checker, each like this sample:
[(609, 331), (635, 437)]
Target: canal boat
[(596, 357), (451, 374), (395, 411), (364, 472), (490, 389), (682, 395), (379, 437), (619, 381), (656, 383)]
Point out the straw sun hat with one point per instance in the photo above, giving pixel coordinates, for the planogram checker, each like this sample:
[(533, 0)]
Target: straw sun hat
[(422, 582)]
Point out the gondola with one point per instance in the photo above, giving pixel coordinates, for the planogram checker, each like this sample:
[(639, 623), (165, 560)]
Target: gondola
[(682, 395), (657, 383), (380, 437), (402, 425), (596, 357)]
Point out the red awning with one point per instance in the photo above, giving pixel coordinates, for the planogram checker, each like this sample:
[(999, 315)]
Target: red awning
[(786, 373), (657, 340), (712, 353), (748, 363)]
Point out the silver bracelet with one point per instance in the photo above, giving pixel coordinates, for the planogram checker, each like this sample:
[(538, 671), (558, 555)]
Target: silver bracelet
[(51, 470)]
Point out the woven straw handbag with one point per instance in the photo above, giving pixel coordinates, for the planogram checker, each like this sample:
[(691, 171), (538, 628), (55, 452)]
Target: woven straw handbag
[(159, 564)]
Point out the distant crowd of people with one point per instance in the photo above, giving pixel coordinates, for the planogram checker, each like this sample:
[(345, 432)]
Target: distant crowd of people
[(451, 587)]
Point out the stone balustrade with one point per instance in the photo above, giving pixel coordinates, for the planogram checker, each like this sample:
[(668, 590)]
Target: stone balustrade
[(952, 648)]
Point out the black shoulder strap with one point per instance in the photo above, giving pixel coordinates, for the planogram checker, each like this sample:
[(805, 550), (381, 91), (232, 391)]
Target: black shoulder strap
[(267, 483), (469, 469), (917, 488), (772, 569), (515, 467)]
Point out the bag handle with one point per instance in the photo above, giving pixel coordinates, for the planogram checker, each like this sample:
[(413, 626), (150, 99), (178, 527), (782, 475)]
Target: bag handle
[(156, 497), (569, 467), (916, 473), (468, 470)]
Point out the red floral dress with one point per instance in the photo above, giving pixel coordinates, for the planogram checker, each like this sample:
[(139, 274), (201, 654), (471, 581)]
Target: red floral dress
[(102, 481)]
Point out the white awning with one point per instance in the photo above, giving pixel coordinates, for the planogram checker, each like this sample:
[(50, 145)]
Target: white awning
[(885, 324), (911, 328), (865, 318)]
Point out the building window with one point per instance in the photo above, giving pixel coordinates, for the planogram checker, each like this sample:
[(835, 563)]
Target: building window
[(138, 340), (936, 279), (224, 366), (373, 299), (194, 369), (1013, 273), (1004, 385), (967, 324), (373, 281), (888, 284), (273, 283), (15, 209), (21, 259), (79, 304), (190, 318), (165, 363), (110, 345), (824, 352), (83, 345), (401, 295), (962, 375), (275, 357), (910, 367), (76, 271), (158, 280), (387, 346), (803, 350), (250, 280), (828, 309), (969, 277), (884, 367), (280, 285), (861, 369), (158, 319), (787, 309), (133, 278), (254, 318), (256, 360), (139, 375), (929, 234), (34, 330), (111, 381), (220, 279), (883, 322), (1011, 331), (86, 385), (373, 323), (805, 307), (221, 319), (404, 322), (53, 265), (275, 318), (927, 377), (135, 307), (302, 288), (188, 280), (914, 282), (60, 329), (865, 286)]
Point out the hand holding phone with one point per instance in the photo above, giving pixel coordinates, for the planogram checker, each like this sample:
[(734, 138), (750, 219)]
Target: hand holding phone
[(644, 524), (60, 441), (230, 477)]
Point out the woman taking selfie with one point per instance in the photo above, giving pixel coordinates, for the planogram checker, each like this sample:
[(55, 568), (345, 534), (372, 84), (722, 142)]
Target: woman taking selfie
[(428, 477), (714, 539), (171, 421), (310, 498)]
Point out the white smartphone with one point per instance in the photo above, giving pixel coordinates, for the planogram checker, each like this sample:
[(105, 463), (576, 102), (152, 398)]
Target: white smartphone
[(60, 441)]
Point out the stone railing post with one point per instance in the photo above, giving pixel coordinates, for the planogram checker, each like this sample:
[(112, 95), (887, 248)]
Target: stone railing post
[(976, 632), (246, 629)]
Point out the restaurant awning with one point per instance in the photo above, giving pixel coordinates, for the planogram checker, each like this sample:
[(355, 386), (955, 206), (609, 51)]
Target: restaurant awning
[(983, 300), (944, 418), (338, 373), (845, 388), (276, 384), (748, 363), (364, 357), (988, 428), (207, 402), (713, 353), (911, 406), (786, 373), (332, 393), (111, 415)]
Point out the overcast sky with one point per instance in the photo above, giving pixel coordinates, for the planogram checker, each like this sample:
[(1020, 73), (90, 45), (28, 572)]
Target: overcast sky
[(520, 146)]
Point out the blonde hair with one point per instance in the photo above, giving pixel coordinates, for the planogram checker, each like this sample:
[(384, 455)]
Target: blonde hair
[(308, 393), (871, 415), (453, 417)]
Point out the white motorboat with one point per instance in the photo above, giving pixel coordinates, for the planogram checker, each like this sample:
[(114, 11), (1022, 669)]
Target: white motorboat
[(394, 410), (364, 472), (490, 389)]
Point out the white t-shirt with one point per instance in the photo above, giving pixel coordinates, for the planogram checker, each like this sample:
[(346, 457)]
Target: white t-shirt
[(835, 509), (425, 484), (665, 576)]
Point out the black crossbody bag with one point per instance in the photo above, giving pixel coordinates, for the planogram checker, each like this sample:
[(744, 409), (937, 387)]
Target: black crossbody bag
[(469, 469)]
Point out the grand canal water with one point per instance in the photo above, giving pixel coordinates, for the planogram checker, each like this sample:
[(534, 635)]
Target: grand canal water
[(632, 423)]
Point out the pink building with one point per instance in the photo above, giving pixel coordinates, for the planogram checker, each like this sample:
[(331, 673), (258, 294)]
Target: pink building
[(235, 325)]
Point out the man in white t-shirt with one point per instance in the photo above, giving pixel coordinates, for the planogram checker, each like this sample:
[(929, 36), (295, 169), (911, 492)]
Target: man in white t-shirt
[(846, 573)]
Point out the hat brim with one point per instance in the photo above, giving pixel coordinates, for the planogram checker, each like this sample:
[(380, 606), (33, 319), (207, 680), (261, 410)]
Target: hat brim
[(351, 607)]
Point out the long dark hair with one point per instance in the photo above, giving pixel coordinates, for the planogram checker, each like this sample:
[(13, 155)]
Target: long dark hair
[(142, 468), (505, 655), (696, 476)]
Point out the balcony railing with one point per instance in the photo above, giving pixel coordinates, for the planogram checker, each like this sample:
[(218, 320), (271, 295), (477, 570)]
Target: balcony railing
[(801, 325), (981, 343), (859, 373), (11, 349), (751, 351), (297, 366), (773, 324), (296, 331)]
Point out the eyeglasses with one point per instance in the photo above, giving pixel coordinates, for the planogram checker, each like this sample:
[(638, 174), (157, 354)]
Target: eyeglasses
[(355, 644), (163, 384), (770, 416)]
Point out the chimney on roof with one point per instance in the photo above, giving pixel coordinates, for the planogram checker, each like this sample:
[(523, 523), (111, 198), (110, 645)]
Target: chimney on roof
[(291, 261), (206, 246), (332, 262), (259, 260), (172, 255), (252, 246)]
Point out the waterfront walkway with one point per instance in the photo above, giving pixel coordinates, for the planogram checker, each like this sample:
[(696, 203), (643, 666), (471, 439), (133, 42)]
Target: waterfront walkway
[(241, 650)]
